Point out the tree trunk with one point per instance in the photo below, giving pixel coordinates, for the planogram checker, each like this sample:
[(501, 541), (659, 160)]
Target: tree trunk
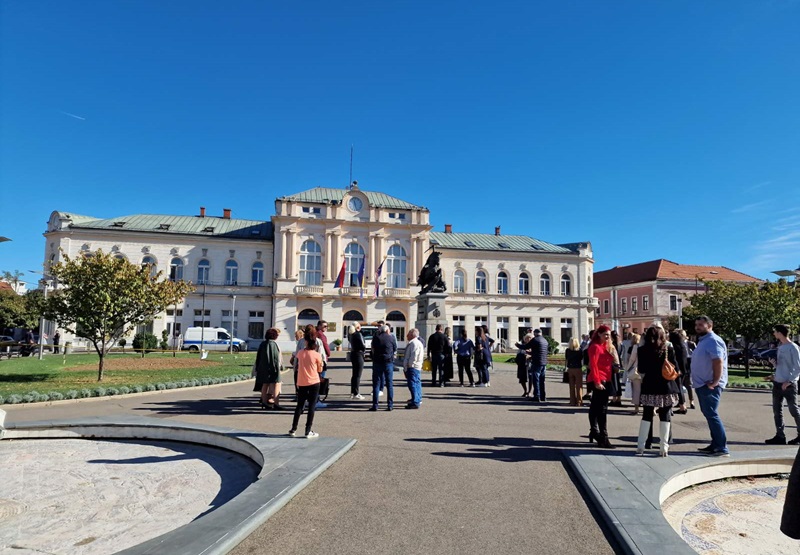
[(100, 368), (747, 360)]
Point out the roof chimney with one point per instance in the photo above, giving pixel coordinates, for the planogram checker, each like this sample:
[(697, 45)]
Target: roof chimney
[(202, 211), (497, 230), (448, 228), (226, 214)]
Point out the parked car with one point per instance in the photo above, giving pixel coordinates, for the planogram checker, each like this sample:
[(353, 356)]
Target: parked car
[(736, 356), (368, 332), (765, 356), (212, 339)]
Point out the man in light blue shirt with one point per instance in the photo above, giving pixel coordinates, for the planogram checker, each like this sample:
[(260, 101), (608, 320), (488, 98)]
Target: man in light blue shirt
[(784, 384), (709, 376)]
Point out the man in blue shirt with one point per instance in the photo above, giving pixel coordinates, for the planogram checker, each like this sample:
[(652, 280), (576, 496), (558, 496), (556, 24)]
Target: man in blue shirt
[(709, 376)]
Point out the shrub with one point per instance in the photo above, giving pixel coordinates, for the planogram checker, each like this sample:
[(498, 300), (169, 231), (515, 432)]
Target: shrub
[(124, 390), (55, 396), (170, 385), (112, 391), (161, 386), (122, 342), (71, 394), (205, 381), (214, 381), (148, 340), (2, 400), (28, 398), (99, 392), (85, 393), (150, 387), (42, 398), (164, 340), (14, 399)]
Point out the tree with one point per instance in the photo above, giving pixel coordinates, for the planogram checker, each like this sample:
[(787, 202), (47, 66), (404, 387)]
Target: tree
[(748, 310), (20, 311), (102, 298), (13, 278)]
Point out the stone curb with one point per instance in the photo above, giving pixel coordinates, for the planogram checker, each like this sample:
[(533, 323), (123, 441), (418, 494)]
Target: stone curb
[(287, 464)]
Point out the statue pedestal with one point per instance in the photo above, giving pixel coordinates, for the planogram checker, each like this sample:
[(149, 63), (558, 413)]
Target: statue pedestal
[(430, 312)]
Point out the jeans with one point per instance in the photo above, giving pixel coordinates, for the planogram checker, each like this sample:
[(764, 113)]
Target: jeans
[(357, 362), (306, 393), (778, 395), (463, 366), (709, 406), (537, 377), (382, 377), (483, 373), (414, 386), (437, 367), (598, 409)]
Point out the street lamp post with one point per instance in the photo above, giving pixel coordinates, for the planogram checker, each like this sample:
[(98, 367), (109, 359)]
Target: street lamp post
[(203, 320), (789, 273), (680, 313), (233, 319), (44, 282)]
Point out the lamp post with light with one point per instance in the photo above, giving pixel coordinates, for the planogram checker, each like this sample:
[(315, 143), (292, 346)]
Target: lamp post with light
[(789, 273)]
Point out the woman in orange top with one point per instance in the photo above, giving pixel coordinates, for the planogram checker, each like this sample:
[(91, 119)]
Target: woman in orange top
[(309, 367), (600, 376)]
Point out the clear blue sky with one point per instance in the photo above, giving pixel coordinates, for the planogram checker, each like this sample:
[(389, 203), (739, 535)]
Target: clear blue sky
[(652, 129)]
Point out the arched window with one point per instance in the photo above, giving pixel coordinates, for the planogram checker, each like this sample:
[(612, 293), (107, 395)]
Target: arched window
[(203, 272), (458, 281), (309, 314), (524, 284), (566, 285), (354, 258), (502, 283), (396, 277), (353, 316), (150, 262), (544, 285), (231, 273), (176, 269), (480, 282), (258, 274), (310, 263), (395, 316)]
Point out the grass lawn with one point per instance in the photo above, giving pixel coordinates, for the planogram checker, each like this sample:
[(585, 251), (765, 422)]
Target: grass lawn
[(23, 375), (757, 374)]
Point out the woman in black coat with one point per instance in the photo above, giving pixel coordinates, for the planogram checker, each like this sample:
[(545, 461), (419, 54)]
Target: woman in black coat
[(681, 361), (658, 393)]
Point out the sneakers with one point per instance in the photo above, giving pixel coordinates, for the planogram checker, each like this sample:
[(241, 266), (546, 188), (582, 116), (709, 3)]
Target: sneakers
[(373, 409), (777, 440), (380, 394), (706, 450), (321, 405), (312, 434), (357, 396), (718, 454), (795, 441), (292, 433)]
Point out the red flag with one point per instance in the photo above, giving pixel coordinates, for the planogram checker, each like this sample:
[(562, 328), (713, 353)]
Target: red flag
[(340, 280)]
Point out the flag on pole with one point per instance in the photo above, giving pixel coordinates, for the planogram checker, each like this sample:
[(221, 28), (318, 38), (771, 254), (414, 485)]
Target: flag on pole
[(340, 280), (378, 279), (362, 277)]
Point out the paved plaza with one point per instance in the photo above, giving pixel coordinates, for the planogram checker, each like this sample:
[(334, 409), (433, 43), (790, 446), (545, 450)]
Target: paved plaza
[(473, 467)]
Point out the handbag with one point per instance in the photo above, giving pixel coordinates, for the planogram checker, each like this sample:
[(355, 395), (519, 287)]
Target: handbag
[(427, 366), (668, 370), (324, 388)]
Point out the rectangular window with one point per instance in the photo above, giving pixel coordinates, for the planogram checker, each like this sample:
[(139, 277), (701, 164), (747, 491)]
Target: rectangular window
[(459, 323), (645, 302), (522, 327), (605, 306), (311, 210), (171, 312), (226, 321), (458, 282), (400, 333), (546, 325), (480, 321), (634, 304), (255, 330), (566, 330), (624, 306), (673, 302)]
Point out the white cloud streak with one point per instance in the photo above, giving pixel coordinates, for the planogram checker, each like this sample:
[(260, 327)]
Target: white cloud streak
[(72, 115)]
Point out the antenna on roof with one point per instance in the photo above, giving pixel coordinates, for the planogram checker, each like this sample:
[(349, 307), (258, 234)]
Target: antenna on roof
[(350, 183)]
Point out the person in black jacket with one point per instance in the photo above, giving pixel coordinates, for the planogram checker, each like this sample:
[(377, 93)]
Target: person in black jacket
[(681, 361), (538, 347), (437, 343), (658, 393), (357, 350)]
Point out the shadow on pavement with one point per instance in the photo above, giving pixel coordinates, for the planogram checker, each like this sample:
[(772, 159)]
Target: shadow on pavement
[(506, 449)]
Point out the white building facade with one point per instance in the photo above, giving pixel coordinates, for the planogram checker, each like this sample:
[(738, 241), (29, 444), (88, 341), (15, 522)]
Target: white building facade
[(285, 272)]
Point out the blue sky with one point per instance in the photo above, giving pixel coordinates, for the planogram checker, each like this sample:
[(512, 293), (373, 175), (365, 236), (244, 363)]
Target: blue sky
[(652, 129)]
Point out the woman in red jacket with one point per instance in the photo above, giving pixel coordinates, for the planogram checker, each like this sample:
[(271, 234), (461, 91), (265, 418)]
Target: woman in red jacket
[(601, 369)]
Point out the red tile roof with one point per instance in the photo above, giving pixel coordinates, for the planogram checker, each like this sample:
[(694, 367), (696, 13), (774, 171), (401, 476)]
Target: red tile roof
[(662, 269), (5, 286)]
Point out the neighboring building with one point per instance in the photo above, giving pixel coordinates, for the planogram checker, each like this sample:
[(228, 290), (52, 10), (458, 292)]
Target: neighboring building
[(632, 297), (284, 271)]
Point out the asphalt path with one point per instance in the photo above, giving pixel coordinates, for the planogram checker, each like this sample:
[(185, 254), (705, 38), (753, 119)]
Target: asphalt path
[(473, 469)]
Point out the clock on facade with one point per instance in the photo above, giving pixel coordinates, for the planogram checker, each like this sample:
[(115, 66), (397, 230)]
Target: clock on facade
[(354, 204)]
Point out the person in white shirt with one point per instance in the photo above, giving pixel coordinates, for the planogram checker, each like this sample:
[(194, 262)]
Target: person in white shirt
[(412, 366)]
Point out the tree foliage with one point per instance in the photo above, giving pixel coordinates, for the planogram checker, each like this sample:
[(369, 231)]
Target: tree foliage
[(102, 298), (12, 278), (20, 311), (748, 310)]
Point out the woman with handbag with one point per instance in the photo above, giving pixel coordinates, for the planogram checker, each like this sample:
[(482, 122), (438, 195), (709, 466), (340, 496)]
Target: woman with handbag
[(656, 365), (632, 373), (483, 358), (268, 368), (602, 361), (574, 357)]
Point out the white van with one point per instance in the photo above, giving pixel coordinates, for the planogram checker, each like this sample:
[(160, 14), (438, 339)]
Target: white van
[(213, 339)]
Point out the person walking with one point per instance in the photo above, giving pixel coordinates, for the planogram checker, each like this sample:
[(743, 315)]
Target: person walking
[(538, 347), (412, 365), (676, 341), (658, 393), (686, 379), (709, 376), (268, 370), (784, 384), (574, 356), (483, 357), (309, 369), (447, 363), (383, 351), (616, 399), (464, 348), (357, 350), (523, 360), (437, 343), (601, 367), (56, 342), (632, 373)]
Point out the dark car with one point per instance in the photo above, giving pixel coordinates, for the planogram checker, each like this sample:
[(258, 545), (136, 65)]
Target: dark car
[(765, 356)]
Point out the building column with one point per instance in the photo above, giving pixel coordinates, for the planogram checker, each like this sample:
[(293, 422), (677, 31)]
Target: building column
[(326, 257), (413, 260), (282, 267), (290, 254)]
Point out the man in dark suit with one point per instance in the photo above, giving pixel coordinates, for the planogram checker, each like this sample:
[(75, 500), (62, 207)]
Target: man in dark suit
[(436, 345)]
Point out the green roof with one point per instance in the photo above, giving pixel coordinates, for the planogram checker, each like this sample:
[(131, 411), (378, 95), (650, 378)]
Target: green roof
[(323, 195), (491, 242), (76, 218), (208, 226)]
